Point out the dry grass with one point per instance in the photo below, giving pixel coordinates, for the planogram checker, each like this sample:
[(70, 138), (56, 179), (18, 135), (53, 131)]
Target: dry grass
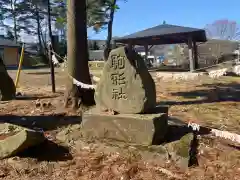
[(209, 102), (193, 100), (88, 162)]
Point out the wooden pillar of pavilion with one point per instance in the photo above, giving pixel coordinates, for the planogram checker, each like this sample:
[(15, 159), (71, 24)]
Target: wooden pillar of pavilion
[(190, 54), (130, 45), (195, 55), (114, 44), (146, 53)]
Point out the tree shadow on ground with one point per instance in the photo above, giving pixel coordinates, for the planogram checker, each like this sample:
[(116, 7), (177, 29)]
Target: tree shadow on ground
[(176, 130), (157, 110), (236, 147), (40, 73), (47, 151), (167, 69), (45, 123), (232, 74), (32, 97), (174, 103), (223, 92)]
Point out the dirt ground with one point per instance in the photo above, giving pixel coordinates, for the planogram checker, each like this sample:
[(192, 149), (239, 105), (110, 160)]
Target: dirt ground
[(212, 103)]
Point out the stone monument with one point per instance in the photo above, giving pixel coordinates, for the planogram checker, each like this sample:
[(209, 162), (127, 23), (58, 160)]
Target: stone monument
[(125, 85)]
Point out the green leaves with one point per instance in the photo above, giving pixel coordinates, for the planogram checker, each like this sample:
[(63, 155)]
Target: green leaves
[(97, 13), (116, 7), (26, 12), (21, 14)]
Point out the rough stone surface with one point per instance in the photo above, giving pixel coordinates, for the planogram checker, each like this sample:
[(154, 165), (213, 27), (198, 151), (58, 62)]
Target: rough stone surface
[(7, 86), (24, 139), (125, 86), (179, 150), (144, 129), (176, 152), (6, 128)]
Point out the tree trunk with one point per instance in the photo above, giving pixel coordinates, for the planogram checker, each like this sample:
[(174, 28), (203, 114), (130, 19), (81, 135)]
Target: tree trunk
[(39, 32), (42, 45), (77, 55), (43, 41), (43, 38), (13, 9), (110, 24), (51, 38), (15, 28)]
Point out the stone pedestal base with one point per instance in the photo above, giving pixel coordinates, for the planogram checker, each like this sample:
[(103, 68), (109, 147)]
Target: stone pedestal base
[(146, 129)]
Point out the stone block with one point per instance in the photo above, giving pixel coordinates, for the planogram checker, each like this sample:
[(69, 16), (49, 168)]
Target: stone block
[(180, 150), (144, 129)]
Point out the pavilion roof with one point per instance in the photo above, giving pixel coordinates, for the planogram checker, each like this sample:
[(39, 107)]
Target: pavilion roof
[(164, 34)]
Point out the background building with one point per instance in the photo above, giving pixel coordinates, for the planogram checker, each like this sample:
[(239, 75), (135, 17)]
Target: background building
[(9, 51)]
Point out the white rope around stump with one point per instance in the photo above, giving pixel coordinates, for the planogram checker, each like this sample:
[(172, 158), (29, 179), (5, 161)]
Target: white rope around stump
[(75, 81), (218, 133)]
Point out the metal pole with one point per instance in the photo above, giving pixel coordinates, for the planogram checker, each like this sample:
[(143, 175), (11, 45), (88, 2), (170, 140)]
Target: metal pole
[(50, 48), (19, 66)]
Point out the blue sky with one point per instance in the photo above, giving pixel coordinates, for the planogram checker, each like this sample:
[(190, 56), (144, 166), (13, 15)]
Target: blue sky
[(136, 15)]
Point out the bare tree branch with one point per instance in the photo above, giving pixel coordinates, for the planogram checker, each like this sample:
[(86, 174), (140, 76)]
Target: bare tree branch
[(223, 29)]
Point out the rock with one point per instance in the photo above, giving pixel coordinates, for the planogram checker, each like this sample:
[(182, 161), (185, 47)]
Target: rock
[(180, 150), (69, 134), (18, 164), (125, 86), (15, 144), (6, 128), (7, 86)]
